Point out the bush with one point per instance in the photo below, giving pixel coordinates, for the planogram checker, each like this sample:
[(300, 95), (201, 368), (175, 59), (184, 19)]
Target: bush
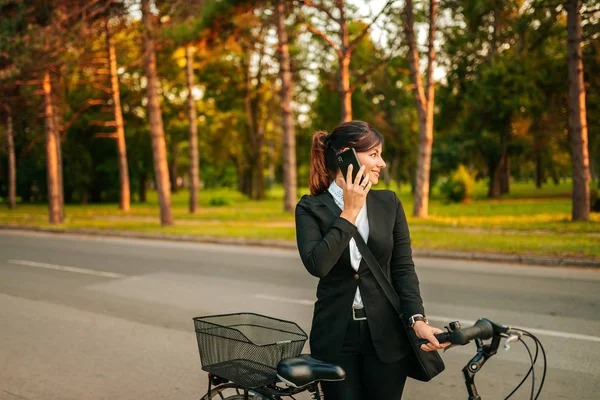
[(218, 201), (458, 188)]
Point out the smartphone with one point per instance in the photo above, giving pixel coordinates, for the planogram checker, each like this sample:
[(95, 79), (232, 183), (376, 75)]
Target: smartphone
[(346, 158)]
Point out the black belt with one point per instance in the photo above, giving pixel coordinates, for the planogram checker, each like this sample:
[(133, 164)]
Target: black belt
[(358, 314)]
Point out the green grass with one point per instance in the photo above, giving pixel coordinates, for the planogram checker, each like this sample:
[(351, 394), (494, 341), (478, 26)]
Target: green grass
[(529, 221), (547, 245)]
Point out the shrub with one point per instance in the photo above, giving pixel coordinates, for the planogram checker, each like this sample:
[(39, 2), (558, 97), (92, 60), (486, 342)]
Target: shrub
[(218, 201), (458, 188)]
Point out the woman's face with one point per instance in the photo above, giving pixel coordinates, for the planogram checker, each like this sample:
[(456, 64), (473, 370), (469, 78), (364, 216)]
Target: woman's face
[(373, 162)]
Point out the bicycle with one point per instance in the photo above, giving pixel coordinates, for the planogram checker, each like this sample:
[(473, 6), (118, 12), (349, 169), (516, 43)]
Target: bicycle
[(254, 357)]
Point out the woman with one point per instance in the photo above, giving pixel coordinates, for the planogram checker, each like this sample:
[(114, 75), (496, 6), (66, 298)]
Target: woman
[(354, 325)]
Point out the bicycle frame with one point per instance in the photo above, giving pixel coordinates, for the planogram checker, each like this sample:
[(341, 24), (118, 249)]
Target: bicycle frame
[(484, 352)]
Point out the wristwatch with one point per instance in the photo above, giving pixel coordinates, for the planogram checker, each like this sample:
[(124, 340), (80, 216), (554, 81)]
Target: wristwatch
[(415, 318)]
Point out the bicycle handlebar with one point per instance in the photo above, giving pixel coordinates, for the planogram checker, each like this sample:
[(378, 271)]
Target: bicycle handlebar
[(483, 329), (486, 329)]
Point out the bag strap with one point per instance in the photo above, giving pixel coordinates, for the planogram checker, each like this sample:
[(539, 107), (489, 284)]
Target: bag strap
[(371, 262)]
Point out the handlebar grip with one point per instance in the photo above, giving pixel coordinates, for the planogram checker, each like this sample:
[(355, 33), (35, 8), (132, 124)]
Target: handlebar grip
[(483, 329), (441, 337)]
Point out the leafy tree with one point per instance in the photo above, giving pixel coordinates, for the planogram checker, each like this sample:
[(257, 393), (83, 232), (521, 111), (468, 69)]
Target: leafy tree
[(424, 98), (343, 40), (493, 90), (578, 132), (157, 133), (12, 168), (287, 118)]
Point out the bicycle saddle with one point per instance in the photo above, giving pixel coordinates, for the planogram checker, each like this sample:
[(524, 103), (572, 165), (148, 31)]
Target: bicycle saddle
[(303, 370)]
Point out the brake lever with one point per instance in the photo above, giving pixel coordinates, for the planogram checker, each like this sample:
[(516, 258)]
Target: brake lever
[(511, 336)]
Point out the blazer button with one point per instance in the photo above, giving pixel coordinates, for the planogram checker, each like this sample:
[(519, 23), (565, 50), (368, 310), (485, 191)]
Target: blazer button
[(356, 276)]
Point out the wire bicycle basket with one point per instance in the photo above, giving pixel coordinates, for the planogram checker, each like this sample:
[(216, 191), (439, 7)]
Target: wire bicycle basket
[(245, 348)]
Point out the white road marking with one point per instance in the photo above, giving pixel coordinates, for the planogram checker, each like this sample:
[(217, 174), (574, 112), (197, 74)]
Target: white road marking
[(465, 322), (536, 331), (284, 299), (68, 269)]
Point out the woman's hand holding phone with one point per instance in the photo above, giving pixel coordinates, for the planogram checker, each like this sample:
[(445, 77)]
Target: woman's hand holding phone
[(355, 193)]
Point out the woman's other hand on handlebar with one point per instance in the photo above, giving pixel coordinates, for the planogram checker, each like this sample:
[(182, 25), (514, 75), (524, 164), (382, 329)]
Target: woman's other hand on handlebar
[(424, 331)]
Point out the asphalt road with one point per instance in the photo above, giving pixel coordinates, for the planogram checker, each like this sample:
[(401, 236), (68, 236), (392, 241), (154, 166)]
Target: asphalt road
[(111, 318)]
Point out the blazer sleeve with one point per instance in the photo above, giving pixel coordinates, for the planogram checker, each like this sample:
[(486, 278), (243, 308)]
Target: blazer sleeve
[(404, 277), (319, 253)]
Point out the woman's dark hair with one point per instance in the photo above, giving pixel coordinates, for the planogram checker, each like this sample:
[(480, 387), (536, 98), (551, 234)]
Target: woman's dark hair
[(323, 164)]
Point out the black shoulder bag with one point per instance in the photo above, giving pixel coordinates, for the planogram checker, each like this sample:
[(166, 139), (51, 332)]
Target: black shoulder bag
[(427, 364)]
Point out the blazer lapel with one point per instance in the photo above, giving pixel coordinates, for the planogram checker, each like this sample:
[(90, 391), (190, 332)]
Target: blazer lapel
[(372, 214), (328, 201), (371, 211), (376, 211)]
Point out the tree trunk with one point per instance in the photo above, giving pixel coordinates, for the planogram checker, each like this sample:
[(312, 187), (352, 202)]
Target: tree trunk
[(159, 151), (554, 174), (84, 197), (246, 182), (505, 183), (12, 166), (259, 166), (125, 195), (193, 136), (424, 101), (497, 170), (55, 212), (249, 176), (495, 174), (270, 164), (57, 123), (598, 173), (539, 168), (578, 134), (344, 56), (174, 167), (142, 187), (61, 186), (344, 89), (287, 118), (255, 132)]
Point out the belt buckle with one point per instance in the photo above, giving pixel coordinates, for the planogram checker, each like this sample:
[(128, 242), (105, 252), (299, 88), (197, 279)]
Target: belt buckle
[(354, 317)]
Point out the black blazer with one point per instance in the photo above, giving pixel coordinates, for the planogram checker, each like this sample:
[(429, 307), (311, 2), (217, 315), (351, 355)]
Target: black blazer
[(323, 242)]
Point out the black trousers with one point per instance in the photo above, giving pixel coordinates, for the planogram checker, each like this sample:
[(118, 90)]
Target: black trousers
[(367, 378)]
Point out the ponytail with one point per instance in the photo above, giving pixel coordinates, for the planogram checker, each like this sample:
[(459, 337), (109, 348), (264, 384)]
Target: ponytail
[(318, 179)]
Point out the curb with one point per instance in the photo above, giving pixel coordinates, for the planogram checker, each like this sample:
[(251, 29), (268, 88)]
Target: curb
[(282, 244), (508, 258)]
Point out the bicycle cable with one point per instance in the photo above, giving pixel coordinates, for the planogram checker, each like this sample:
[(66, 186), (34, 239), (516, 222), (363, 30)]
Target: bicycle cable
[(533, 360), (537, 341), (528, 372), (532, 369)]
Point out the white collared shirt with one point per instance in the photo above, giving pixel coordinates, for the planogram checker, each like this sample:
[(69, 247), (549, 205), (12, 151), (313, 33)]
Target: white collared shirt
[(362, 224)]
